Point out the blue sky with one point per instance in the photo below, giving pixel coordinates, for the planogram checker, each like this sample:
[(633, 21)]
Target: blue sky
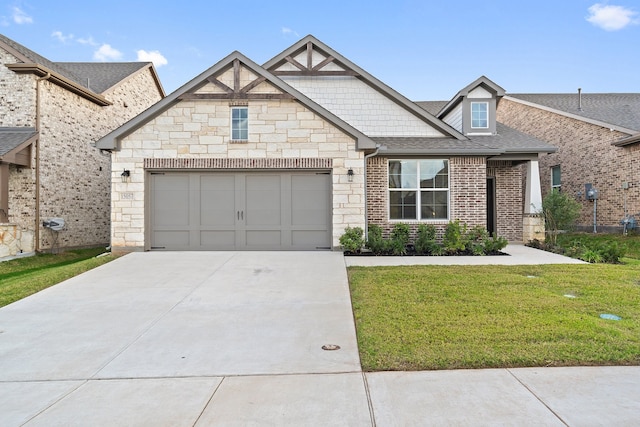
[(427, 50)]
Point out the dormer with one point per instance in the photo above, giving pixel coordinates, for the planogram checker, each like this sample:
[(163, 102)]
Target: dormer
[(473, 110)]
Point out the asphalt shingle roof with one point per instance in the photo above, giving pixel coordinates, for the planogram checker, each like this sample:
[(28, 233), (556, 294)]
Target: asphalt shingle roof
[(12, 137), (620, 109), (95, 76)]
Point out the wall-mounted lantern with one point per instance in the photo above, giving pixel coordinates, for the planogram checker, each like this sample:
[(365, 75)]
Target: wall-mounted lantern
[(350, 175), (124, 176)]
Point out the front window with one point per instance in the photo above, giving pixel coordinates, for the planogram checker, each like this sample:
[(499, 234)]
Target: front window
[(555, 178), (240, 123), (419, 189), (480, 115)]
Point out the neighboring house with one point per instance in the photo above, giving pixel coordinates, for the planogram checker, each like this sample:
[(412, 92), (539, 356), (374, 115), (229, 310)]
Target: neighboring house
[(598, 140), (288, 154), (50, 114)]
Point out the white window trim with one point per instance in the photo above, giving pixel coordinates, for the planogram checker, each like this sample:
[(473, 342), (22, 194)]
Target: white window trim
[(471, 117), (243, 107), (419, 196)]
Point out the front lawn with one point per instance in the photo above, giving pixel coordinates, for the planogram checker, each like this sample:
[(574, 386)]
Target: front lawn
[(448, 317), (22, 277)]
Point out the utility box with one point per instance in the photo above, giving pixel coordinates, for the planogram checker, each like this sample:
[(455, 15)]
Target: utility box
[(590, 192)]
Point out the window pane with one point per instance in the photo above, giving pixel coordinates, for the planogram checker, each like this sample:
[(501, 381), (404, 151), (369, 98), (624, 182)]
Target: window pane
[(403, 174), (434, 205), (434, 174), (402, 204), (479, 115), (240, 123), (555, 176)]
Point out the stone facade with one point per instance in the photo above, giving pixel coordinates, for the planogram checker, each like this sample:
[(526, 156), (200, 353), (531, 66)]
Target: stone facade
[(585, 155), (278, 129), (74, 176)]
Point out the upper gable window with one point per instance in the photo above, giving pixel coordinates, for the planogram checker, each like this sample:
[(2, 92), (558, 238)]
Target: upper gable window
[(479, 115), (240, 123)]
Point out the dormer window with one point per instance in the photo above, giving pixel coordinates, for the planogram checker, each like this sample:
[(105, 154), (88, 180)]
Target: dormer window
[(479, 115)]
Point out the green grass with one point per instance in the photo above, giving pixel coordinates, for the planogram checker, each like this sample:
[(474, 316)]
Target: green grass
[(22, 277), (631, 241), (444, 317)]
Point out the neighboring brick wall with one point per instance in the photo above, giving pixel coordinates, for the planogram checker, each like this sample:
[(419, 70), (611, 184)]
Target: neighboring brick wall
[(75, 178), (201, 130), (585, 155)]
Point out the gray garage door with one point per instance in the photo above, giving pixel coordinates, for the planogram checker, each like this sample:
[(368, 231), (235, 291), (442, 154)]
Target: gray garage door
[(240, 211)]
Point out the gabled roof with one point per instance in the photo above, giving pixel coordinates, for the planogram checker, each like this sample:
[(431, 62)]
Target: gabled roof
[(87, 79), (186, 91), (13, 140), (482, 82), (619, 111), (309, 43)]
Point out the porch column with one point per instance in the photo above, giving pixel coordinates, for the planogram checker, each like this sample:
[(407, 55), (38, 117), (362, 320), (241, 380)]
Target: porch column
[(533, 192), (4, 192), (532, 221)]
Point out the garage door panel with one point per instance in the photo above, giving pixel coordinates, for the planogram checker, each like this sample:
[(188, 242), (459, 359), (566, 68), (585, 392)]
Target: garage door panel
[(172, 239), (217, 200), (220, 239), (264, 239), (171, 201), (263, 200), (310, 199)]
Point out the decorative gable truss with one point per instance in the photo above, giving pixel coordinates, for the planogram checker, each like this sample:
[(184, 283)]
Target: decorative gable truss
[(236, 82), (311, 61)]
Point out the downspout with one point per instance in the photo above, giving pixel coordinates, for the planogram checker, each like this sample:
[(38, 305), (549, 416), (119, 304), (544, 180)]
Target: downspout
[(366, 207), (37, 155)]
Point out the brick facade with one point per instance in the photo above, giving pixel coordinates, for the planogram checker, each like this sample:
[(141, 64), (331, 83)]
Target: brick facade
[(585, 155), (468, 195), (75, 177)]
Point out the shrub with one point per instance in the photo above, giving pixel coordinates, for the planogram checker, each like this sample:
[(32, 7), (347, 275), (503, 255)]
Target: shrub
[(352, 240), (375, 241), (560, 212), (612, 252), (453, 240), (426, 240), (474, 240), (399, 239), (494, 244)]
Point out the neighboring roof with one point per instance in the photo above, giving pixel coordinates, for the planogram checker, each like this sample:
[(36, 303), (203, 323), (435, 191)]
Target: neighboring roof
[(111, 140), (13, 140), (363, 75), (506, 141), (100, 76), (620, 111), (633, 139), (481, 81), (88, 79)]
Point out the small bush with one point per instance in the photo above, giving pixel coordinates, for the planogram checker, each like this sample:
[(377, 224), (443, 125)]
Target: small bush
[(494, 244), (453, 240), (612, 252), (560, 212), (399, 239), (474, 240), (375, 241), (426, 240), (352, 240)]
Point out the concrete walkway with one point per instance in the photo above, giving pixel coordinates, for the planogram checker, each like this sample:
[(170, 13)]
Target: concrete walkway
[(235, 339)]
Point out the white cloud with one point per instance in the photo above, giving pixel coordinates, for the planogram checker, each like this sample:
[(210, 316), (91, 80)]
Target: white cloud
[(107, 53), (61, 37), (153, 56), (287, 31), (88, 41), (21, 17), (611, 18)]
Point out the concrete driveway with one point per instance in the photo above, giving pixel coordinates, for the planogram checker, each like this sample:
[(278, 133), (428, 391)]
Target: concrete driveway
[(149, 338)]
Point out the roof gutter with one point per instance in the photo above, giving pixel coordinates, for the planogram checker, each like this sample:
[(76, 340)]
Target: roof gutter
[(58, 79)]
